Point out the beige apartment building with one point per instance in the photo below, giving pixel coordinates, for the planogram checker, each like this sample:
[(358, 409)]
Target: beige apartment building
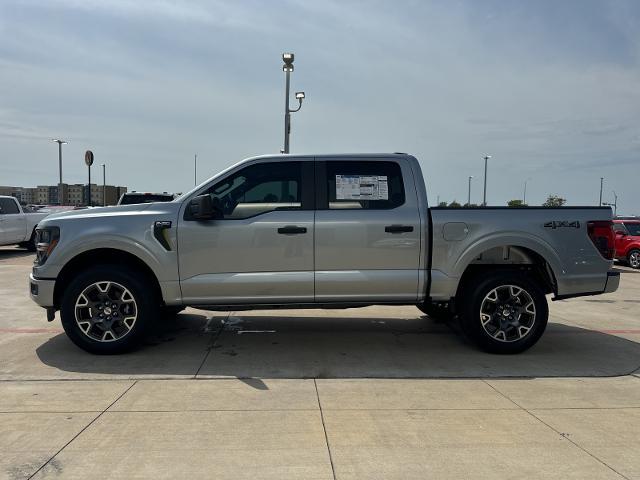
[(74, 194)]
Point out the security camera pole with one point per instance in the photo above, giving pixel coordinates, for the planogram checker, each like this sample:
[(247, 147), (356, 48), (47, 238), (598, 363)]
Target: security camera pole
[(287, 68)]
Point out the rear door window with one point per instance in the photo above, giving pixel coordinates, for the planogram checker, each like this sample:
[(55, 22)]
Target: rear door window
[(364, 185)]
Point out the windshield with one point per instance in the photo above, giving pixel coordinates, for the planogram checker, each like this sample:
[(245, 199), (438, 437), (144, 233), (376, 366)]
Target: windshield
[(633, 228)]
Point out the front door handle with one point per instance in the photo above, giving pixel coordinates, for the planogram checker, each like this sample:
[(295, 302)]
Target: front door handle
[(398, 228), (292, 230)]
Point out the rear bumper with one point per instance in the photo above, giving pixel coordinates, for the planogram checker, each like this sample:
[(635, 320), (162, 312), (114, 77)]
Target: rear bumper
[(41, 290), (611, 285)]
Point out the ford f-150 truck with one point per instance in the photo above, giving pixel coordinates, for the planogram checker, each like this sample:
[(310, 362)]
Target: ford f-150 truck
[(318, 231), (17, 227)]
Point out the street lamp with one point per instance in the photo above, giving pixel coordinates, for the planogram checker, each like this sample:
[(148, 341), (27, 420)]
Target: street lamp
[(60, 143), (601, 182), (104, 185), (469, 192), (484, 195), (287, 68), (524, 195)]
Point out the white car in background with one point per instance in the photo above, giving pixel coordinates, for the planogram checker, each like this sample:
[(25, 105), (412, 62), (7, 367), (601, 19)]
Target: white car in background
[(17, 226)]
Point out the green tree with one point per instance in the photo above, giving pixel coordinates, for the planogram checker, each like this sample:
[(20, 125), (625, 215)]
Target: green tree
[(554, 201), (454, 204), (516, 203), (442, 204)]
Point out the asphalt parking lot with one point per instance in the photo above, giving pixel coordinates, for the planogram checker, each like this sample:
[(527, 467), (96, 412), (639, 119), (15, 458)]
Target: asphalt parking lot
[(375, 393)]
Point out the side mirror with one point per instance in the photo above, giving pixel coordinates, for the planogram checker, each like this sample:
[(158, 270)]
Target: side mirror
[(620, 234), (203, 207)]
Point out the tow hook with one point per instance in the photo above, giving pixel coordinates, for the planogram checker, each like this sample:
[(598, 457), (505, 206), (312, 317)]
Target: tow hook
[(51, 314)]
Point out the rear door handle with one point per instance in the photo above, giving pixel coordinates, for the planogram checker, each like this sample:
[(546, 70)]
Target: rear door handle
[(292, 230), (398, 228)]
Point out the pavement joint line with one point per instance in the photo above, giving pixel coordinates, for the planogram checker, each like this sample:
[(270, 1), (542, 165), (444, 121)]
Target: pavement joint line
[(324, 429), (558, 432), (83, 429), (212, 343), (633, 373)]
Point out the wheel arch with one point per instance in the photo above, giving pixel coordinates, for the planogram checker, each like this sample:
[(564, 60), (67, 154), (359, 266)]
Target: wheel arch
[(512, 257), (103, 256)]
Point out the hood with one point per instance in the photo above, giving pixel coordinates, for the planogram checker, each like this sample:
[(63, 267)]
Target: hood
[(158, 208)]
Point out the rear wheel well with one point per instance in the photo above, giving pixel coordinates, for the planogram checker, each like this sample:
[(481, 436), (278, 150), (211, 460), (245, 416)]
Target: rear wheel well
[(511, 258), (102, 256)]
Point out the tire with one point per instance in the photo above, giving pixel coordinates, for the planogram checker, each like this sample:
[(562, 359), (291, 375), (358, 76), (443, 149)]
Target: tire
[(121, 296), (436, 311), (503, 312), (31, 243), (633, 258)]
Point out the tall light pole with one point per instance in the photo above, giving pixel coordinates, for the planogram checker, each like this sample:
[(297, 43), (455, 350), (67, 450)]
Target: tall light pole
[(469, 192), (195, 169), (60, 142), (104, 185), (524, 194), (601, 182), (287, 68), (484, 196)]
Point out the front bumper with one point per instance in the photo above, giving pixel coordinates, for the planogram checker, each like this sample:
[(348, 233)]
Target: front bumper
[(613, 282), (41, 291)]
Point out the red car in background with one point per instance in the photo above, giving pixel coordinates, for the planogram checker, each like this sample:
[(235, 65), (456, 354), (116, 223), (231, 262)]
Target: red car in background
[(628, 241)]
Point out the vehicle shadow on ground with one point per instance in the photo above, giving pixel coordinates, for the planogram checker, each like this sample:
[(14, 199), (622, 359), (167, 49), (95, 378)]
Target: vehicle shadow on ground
[(7, 253), (331, 347)]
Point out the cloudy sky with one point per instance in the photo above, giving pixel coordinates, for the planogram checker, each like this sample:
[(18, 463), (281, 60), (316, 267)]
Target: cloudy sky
[(550, 89)]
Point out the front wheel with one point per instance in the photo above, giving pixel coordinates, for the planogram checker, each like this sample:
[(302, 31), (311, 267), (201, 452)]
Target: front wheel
[(504, 312), (634, 259), (108, 310)]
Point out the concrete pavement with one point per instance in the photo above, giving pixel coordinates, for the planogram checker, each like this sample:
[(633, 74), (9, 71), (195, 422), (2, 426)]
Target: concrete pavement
[(369, 393)]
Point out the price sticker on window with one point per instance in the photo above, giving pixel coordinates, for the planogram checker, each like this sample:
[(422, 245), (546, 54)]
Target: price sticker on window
[(362, 187)]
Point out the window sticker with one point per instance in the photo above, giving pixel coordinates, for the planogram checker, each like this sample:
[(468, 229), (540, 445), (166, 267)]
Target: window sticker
[(362, 187)]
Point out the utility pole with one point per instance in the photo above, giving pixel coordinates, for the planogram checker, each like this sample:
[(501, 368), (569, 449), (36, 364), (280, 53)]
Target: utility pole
[(60, 143), (614, 204), (287, 68), (484, 196), (104, 185), (601, 182), (195, 170), (524, 195), (469, 192)]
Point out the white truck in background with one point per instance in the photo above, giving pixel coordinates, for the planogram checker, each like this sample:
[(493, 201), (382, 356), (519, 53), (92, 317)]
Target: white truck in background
[(17, 227)]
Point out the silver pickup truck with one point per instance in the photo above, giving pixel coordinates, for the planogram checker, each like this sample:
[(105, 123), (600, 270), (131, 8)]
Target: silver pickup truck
[(318, 231), (17, 225)]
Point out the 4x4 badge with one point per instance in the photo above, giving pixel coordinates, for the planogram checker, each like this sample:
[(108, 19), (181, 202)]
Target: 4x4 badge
[(562, 223)]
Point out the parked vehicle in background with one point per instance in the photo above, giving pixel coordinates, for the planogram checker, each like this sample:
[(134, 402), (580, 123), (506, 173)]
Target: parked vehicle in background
[(17, 226), (132, 198), (628, 241), (325, 231)]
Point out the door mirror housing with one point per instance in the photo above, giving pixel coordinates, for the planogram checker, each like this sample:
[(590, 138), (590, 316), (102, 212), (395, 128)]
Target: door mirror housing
[(620, 233), (203, 207)]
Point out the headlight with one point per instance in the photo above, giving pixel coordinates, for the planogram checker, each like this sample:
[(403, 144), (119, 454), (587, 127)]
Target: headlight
[(46, 240)]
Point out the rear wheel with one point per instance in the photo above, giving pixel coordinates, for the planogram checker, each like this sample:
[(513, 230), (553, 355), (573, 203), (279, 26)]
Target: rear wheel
[(504, 312), (634, 258), (108, 310)]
